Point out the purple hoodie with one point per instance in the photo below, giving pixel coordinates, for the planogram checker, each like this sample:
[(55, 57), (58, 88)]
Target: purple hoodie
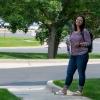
[(76, 37)]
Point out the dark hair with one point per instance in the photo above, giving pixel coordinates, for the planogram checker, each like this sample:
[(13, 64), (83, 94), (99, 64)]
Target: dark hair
[(82, 26)]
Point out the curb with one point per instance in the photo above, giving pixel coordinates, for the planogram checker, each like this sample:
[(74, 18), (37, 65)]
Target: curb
[(45, 60), (54, 88)]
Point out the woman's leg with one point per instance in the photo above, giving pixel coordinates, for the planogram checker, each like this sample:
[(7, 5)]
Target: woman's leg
[(81, 66), (70, 71)]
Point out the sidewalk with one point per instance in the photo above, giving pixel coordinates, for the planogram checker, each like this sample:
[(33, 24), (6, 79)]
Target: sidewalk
[(40, 93), (22, 63)]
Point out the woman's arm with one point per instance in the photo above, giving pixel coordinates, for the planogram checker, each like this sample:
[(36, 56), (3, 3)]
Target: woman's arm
[(87, 39)]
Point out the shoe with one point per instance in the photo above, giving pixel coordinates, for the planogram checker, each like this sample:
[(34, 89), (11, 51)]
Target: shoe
[(77, 93), (69, 93), (62, 92)]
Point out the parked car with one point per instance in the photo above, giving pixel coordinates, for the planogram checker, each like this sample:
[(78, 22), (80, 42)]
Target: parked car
[(6, 25)]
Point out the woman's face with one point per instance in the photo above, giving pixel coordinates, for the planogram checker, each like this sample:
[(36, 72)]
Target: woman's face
[(79, 21)]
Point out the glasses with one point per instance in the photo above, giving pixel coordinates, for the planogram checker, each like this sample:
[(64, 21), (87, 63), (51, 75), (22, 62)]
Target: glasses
[(79, 20)]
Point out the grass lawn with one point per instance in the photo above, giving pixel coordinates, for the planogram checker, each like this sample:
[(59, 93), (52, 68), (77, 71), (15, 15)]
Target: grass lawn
[(91, 89), (23, 55), (91, 55), (6, 95), (4, 55), (15, 41)]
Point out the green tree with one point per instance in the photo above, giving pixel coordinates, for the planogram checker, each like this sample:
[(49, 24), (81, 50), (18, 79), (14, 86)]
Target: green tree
[(54, 16)]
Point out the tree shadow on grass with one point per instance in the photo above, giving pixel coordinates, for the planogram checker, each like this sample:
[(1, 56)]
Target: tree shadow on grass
[(23, 55)]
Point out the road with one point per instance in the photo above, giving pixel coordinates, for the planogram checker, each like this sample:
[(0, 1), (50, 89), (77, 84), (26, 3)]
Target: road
[(40, 75), (44, 49)]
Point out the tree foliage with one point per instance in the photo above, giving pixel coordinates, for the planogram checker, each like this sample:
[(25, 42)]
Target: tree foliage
[(54, 15)]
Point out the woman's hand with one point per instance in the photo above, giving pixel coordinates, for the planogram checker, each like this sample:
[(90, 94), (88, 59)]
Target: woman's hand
[(83, 44)]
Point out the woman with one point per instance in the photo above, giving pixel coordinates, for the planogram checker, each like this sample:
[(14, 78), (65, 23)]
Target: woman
[(78, 55)]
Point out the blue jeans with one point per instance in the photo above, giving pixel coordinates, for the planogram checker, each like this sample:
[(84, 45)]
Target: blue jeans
[(78, 62)]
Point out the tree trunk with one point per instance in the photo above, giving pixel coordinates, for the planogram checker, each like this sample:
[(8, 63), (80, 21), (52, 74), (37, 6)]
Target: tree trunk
[(51, 42), (57, 41), (56, 47)]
